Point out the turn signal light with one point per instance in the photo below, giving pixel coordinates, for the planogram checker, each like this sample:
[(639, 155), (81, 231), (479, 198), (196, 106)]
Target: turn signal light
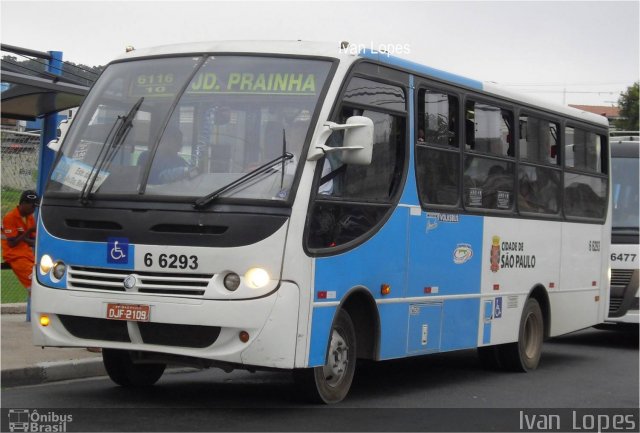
[(385, 289), (244, 336), (44, 320)]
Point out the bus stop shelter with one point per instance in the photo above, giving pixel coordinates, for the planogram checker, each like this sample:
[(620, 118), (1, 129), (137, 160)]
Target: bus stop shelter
[(27, 96)]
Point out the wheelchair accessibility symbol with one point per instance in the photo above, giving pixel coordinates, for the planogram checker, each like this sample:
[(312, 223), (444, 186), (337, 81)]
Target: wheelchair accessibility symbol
[(497, 310), (118, 250)]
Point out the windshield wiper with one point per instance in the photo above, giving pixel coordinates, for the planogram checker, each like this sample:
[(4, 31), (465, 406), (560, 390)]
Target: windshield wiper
[(203, 201), (115, 137)]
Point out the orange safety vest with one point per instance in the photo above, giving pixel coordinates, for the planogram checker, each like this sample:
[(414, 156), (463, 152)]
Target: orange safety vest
[(13, 224)]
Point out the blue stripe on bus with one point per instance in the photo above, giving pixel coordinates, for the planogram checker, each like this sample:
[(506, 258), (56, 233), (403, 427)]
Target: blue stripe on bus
[(420, 255), (460, 324), (410, 193), (322, 319), (418, 68), (380, 260), (488, 317), (393, 330), (77, 253), (486, 333), (445, 254)]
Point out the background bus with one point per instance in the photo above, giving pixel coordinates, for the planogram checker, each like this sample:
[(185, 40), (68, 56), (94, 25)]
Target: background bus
[(296, 206), (623, 302)]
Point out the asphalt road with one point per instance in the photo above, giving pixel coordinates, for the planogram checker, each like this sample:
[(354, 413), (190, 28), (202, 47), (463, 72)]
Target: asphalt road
[(588, 370)]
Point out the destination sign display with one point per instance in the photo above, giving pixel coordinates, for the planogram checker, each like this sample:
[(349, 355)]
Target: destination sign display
[(255, 83)]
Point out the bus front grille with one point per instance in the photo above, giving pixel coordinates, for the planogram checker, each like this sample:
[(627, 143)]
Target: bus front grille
[(167, 334), (158, 283), (621, 277), (614, 304), (623, 287), (91, 328), (164, 334)]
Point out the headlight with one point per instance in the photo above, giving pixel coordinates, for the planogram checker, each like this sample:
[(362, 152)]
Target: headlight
[(231, 281), (58, 270), (256, 278), (46, 263)]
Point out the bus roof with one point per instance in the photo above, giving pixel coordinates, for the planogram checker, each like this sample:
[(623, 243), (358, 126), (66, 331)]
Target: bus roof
[(333, 50), (320, 49), (488, 87)]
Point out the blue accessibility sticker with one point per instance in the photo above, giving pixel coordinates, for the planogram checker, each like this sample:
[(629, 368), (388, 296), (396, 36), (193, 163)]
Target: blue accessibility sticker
[(118, 250), (497, 312)]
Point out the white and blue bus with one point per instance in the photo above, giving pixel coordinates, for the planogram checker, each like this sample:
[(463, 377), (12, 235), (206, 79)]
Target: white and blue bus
[(299, 206)]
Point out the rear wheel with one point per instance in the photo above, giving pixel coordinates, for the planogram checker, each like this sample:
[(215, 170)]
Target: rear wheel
[(524, 355), (330, 383), (122, 370)]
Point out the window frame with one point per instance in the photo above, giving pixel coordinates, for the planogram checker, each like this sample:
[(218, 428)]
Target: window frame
[(386, 75), (497, 104), (424, 84), (558, 166), (604, 174), (517, 108), (502, 105), (559, 141)]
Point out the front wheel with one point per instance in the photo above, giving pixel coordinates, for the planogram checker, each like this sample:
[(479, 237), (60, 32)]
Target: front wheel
[(330, 383), (123, 371)]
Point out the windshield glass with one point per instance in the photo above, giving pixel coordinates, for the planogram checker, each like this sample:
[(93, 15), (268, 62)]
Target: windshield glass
[(625, 192), (202, 124)]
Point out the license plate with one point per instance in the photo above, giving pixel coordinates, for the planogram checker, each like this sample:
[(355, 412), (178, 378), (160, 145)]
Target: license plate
[(137, 313)]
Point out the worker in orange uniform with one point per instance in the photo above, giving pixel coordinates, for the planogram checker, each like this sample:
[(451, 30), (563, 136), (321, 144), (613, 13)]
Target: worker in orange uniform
[(18, 240)]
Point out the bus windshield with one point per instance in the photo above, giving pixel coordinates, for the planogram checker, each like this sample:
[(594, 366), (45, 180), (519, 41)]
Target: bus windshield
[(198, 125), (625, 193)]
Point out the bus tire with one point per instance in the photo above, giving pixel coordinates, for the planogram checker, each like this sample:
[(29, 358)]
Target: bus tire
[(524, 355), (124, 372), (330, 383)]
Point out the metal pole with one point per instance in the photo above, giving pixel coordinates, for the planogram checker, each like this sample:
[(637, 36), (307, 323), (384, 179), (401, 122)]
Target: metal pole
[(49, 132), (25, 51), (49, 128)]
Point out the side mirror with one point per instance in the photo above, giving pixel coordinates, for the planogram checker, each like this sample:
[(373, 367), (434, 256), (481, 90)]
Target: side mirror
[(62, 132), (357, 147), (360, 139)]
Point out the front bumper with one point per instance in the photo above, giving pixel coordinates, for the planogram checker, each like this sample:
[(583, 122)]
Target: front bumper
[(271, 321)]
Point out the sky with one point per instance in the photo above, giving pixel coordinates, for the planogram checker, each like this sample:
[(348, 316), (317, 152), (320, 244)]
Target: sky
[(571, 52)]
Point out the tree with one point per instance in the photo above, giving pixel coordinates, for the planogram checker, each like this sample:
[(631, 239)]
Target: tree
[(628, 103)]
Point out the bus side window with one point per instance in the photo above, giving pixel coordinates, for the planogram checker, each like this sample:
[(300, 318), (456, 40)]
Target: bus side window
[(585, 183), (538, 140), (352, 199), (539, 175), (539, 189), (583, 150), (489, 166), (488, 129), (437, 148), (348, 195)]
